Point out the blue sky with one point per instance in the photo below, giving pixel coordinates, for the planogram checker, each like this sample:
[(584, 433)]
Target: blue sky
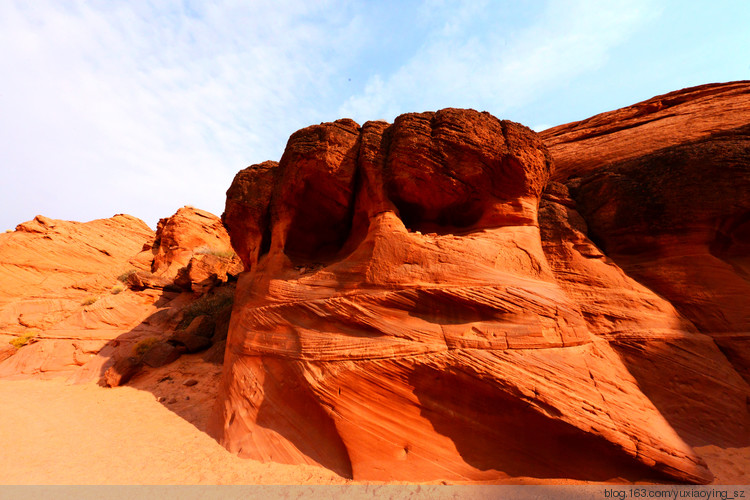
[(141, 107)]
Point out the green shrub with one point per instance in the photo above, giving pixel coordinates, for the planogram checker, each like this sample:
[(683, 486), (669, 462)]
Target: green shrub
[(127, 274), (89, 300), (144, 345), (211, 304), (24, 339), (117, 289), (206, 250)]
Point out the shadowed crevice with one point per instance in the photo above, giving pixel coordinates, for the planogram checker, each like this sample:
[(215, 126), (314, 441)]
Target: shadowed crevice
[(291, 409), (492, 430)]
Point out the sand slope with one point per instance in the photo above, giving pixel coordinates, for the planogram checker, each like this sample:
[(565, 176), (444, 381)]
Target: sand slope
[(53, 433)]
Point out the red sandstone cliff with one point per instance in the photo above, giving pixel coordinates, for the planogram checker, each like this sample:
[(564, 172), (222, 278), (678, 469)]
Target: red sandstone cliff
[(411, 312), (664, 189), (450, 296), (663, 121)]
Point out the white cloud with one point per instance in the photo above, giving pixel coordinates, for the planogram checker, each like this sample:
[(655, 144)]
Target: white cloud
[(467, 63), (143, 107)]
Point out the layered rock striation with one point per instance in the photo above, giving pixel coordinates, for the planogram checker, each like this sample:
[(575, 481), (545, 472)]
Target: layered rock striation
[(448, 297), (664, 189), (682, 116), (402, 316), (96, 301), (56, 281)]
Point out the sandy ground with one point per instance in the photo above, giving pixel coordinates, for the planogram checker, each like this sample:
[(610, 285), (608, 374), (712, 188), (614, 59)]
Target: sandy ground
[(729, 465), (54, 433)]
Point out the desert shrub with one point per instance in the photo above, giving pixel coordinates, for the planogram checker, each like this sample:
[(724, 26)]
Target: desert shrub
[(24, 339), (206, 250), (127, 274), (117, 289), (144, 345), (211, 304), (89, 300)]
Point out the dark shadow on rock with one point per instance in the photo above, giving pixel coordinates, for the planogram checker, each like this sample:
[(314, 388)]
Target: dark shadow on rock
[(291, 409), (697, 395), (171, 354), (492, 430)]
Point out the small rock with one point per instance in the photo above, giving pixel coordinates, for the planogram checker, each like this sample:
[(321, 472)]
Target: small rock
[(190, 382), (160, 354), (121, 372), (172, 401), (202, 326), (192, 343)]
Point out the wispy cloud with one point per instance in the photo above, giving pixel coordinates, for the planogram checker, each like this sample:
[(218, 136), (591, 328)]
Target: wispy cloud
[(111, 106), (468, 62), (142, 107)]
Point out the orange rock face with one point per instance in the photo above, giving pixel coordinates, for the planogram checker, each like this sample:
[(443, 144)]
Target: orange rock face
[(402, 316), (56, 279), (664, 188), (179, 238), (683, 116), (448, 297), (76, 299)]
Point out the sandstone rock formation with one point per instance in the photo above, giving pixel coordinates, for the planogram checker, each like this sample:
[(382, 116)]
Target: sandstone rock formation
[(57, 279), (402, 317), (663, 121), (78, 299), (448, 297), (184, 237), (664, 188)]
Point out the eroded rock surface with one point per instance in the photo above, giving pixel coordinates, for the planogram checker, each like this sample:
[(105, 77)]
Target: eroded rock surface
[(56, 289), (193, 242), (682, 116), (664, 188), (78, 300), (443, 297), (400, 318), (685, 373)]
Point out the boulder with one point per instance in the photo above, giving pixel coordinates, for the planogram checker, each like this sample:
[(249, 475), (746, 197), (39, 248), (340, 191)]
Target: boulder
[(141, 280), (188, 342), (160, 354), (121, 371), (188, 232), (202, 326), (206, 271), (215, 353)]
